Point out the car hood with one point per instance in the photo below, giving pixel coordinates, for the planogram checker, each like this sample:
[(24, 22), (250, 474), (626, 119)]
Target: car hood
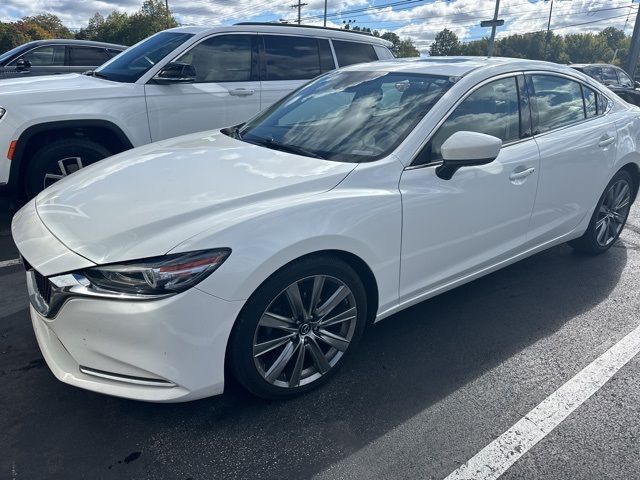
[(144, 202), (43, 88)]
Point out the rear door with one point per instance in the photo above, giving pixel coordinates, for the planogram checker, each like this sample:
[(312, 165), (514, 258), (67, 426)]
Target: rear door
[(577, 142), (226, 91), (81, 59), (289, 61)]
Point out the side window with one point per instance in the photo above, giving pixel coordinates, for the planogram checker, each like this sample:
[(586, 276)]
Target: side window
[(290, 57), (557, 101), (609, 76), (49, 56), (349, 53), (87, 56), (624, 79), (595, 72), (223, 58), (492, 109), (603, 104), (326, 56), (590, 102), (112, 52)]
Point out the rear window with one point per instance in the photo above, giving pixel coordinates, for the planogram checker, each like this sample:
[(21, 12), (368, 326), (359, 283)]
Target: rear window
[(291, 58), (349, 53)]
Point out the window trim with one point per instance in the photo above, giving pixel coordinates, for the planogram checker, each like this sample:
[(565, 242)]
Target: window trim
[(515, 75), (581, 83)]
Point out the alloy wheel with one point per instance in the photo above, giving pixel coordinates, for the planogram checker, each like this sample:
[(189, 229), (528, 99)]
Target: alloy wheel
[(63, 167), (304, 331), (613, 212)]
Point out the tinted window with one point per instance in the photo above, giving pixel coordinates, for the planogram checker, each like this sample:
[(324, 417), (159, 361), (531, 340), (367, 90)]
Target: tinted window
[(347, 116), (624, 79), (50, 56), (326, 56), (609, 76), (491, 109), (139, 59), (112, 52), (87, 56), (603, 104), (224, 58), (349, 53), (291, 58), (590, 102), (557, 102), (595, 72)]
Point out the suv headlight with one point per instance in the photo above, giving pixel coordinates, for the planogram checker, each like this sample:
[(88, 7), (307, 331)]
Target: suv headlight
[(152, 277)]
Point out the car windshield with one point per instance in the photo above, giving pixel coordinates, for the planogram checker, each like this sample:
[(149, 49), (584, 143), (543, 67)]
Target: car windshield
[(13, 52), (347, 116), (131, 64)]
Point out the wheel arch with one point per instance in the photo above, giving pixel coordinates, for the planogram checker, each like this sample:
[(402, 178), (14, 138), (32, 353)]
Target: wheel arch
[(100, 131), (634, 171)]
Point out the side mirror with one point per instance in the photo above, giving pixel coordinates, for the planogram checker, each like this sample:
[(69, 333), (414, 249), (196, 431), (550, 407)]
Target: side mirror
[(467, 149), (175, 72), (23, 65)]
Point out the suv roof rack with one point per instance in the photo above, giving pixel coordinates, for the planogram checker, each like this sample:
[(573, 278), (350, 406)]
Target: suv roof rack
[(280, 24)]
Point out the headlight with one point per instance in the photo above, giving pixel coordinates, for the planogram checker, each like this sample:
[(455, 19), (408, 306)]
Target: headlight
[(2, 112), (156, 276)]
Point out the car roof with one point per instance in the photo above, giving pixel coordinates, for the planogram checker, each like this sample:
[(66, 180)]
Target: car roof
[(587, 65), (288, 29), (85, 43), (459, 66)]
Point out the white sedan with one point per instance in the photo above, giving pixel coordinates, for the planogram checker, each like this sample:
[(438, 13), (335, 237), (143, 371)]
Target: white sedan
[(264, 250)]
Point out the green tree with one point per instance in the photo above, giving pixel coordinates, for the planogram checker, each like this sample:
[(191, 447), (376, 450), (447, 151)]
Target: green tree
[(587, 48), (402, 47), (445, 43), (46, 22)]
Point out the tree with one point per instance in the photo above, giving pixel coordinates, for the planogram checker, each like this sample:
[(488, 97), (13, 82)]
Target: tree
[(587, 48), (401, 48), (120, 27), (445, 43), (46, 22)]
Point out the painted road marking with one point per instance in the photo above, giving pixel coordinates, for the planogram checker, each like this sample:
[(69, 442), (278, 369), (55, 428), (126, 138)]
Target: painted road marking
[(10, 263), (494, 459)]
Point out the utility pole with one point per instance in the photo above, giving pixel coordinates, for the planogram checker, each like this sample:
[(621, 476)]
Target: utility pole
[(548, 36), (166, 4), (325, 13), (493, 24), (635, 48), (299, 6)]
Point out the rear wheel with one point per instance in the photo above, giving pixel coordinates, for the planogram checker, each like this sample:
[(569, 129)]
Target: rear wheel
[(298, 328), (59, 159), (610, 216)]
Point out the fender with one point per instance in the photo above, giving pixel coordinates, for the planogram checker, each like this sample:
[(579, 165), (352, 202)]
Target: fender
[(29, 133)]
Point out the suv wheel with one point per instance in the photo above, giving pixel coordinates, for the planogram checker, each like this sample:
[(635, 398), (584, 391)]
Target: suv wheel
[(59, 159)]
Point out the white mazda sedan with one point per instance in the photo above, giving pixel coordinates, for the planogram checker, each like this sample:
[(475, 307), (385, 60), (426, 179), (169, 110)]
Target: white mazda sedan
[(264, 250)]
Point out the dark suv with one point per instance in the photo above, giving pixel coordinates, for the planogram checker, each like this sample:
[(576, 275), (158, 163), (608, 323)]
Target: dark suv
[(48, 57), (614, 78)]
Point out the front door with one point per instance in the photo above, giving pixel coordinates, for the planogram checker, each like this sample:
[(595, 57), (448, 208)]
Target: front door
[(452, 228), (44, 60), (226, 91)]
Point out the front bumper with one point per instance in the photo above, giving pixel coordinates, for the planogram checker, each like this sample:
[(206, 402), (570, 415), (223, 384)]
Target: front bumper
[(167, 350)]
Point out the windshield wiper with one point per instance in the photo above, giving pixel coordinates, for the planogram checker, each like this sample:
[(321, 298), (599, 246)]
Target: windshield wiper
[(283, 147)]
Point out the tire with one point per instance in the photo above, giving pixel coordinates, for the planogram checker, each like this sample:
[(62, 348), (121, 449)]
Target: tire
[(263, 371), (45, 167), (607, 223)]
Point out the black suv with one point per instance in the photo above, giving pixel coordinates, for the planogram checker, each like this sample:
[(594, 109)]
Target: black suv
[(614, 78), (48, 57)]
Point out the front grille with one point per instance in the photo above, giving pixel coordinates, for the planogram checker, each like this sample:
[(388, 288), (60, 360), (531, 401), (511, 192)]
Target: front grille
[(44, 286)]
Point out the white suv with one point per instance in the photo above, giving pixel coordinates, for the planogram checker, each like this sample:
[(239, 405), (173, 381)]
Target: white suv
[(178, 81)]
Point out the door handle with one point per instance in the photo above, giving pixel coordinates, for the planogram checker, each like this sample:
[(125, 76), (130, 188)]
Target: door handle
[(519, 176), (241, 92), (606, 141)]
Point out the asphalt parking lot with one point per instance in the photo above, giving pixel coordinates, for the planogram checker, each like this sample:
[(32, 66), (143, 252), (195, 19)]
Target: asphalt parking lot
[(428, 389)]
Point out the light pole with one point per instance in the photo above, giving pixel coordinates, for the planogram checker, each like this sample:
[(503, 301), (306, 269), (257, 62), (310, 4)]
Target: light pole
[(325, 13)]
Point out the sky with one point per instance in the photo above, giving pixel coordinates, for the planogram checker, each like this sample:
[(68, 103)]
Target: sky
[(418, 19)]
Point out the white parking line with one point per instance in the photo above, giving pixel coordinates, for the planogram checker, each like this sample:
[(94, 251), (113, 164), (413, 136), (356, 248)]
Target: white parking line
[(494, 459), (10, 263)]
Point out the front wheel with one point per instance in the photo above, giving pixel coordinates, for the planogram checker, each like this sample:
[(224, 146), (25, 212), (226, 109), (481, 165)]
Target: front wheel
[(610, 216), (58, 159), (298, 328)]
